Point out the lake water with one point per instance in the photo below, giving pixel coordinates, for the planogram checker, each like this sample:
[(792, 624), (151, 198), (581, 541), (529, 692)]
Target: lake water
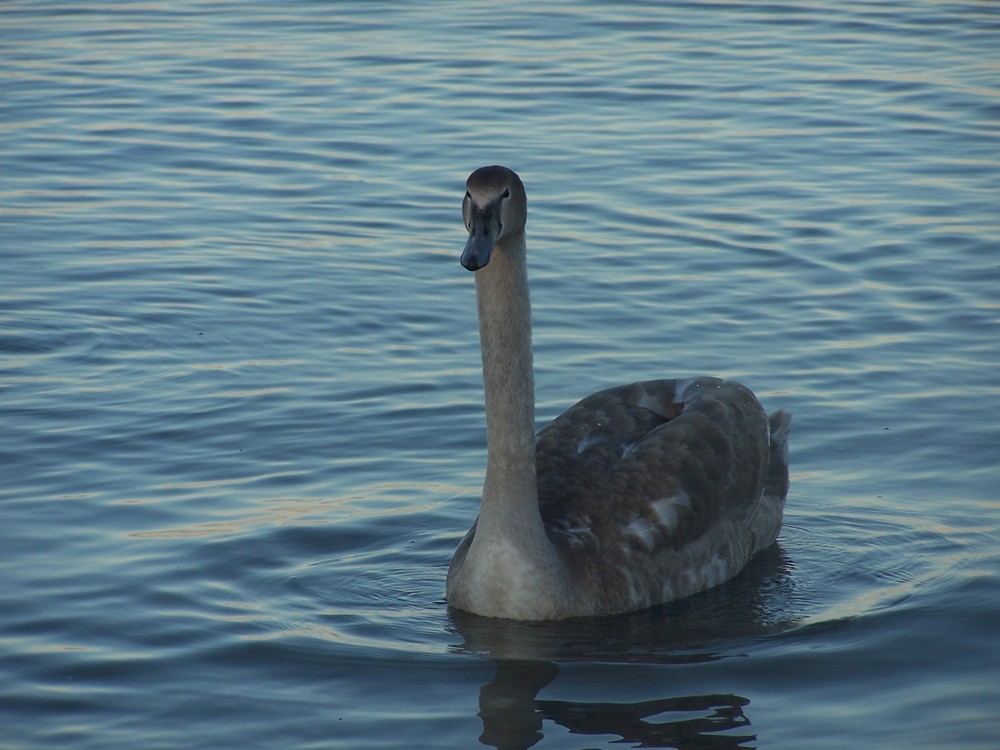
[(241, 424)]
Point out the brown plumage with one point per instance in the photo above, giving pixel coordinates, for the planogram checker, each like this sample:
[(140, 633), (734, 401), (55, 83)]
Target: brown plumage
[(634, 496)]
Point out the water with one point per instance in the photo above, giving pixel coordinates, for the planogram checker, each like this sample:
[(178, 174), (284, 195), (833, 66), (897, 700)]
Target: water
[(240, 397)]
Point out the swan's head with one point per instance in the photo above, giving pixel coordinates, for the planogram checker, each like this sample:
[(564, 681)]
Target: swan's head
[(495, 207)]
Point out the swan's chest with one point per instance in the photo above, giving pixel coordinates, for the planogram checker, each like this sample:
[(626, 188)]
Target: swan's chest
[(503, 580)]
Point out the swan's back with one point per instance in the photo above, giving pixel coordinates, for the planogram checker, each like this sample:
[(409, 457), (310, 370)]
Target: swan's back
[(655, 490)]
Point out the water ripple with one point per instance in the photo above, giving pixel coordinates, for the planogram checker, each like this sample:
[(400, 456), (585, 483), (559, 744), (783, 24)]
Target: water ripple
[(241, 400)]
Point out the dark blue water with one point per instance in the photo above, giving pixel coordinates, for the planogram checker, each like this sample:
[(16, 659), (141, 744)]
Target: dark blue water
[(241, 425)]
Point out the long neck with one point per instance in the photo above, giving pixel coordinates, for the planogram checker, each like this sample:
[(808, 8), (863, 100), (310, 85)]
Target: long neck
[(510, 495)]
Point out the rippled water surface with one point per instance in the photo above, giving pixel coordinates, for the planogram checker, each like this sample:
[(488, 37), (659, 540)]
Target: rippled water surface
[(240, 395)]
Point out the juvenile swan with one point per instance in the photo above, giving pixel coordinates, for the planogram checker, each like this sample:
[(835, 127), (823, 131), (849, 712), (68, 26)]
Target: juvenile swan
[(634, 496)]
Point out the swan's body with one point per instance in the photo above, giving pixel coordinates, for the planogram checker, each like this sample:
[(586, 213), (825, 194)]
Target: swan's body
[(634, 496)]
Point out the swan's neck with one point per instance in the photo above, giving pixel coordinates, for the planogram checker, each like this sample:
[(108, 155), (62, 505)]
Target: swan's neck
[(509, 513), (510, 568)]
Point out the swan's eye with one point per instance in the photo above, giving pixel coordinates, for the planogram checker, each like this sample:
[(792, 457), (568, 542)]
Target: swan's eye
[(506, 194), (468, 195)]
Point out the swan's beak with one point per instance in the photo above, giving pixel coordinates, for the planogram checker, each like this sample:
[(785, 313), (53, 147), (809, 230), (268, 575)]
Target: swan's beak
[(483, 234)]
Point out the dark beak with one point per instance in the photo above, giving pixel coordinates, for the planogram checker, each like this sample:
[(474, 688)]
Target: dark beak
[(483, 233)]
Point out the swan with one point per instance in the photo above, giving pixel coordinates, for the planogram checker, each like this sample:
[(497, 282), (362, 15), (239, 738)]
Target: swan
[(635, 496)]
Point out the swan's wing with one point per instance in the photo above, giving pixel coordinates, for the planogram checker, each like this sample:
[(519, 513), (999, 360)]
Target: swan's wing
[(651, 467)]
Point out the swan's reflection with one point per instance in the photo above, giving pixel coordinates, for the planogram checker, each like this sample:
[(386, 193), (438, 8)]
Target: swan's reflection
[(513, 717), (530, 656)]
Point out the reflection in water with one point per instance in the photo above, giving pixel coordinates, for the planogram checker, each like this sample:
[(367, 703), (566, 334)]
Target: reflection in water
[(701, 629), (512, 716)]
